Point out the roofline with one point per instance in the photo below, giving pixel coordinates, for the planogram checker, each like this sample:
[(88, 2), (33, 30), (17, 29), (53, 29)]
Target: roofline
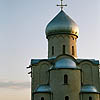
[(42, 92), (90, 92), (88, 61)]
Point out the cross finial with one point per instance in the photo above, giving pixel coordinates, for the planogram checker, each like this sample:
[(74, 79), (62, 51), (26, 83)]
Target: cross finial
[(61, 5)]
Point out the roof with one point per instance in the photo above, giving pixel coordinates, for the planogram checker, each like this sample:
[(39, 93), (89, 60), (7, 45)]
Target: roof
[(36, 61), (43, 89), (62, 24), (91, 60), (89, 89), (64, 63)]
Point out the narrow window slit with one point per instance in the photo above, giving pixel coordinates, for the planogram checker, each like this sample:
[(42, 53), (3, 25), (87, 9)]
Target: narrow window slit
[(52, 50), (63, 49), (65, 79), (72, 50)]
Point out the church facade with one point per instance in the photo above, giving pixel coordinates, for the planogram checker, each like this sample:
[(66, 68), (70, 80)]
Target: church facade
[(63, 76)]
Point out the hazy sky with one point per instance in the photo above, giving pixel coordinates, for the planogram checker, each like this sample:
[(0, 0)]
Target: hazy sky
[(22, 37)]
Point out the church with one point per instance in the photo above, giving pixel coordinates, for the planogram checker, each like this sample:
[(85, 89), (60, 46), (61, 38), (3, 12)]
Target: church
[(63, 76)]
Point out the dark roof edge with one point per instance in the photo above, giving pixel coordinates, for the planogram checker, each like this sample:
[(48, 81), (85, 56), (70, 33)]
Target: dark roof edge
[(93, 61)]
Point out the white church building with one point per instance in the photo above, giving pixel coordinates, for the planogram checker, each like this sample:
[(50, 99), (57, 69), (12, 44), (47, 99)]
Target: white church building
[(63, 76)]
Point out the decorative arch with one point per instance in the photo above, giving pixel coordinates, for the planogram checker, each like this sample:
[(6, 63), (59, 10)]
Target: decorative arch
[(43, 72), (65, 56), (87, 73)]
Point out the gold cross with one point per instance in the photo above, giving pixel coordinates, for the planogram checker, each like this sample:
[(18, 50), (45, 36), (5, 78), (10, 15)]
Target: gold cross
[(61, 5)]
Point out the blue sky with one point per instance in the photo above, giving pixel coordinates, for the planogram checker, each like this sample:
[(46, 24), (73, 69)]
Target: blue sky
[(22, 37)]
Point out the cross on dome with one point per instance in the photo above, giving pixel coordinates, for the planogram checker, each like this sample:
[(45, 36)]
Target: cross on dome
[(61, 5)]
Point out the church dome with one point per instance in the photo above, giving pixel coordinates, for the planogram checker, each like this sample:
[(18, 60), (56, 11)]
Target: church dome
[(62, 24), (64, 63)]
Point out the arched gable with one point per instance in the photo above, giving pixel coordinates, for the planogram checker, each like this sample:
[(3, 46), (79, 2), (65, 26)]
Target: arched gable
[(86, 72), (43, 72)]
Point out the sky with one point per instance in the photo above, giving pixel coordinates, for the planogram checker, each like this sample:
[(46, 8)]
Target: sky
[(22, 38)]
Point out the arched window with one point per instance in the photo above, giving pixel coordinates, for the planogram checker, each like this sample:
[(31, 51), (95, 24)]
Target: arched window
[(63, 49), (72, 50), (66, 98), (42, 98), (73, 38), (65, 79), (52, 50), (90, 98)]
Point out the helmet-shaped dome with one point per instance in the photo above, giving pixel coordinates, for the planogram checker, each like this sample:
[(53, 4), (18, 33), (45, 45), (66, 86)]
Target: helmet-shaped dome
[(64, 63), (62, 24)]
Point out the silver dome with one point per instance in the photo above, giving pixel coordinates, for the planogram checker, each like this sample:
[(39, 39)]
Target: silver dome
[(62, 24), (89, 89), (64, 63), (43, 89)]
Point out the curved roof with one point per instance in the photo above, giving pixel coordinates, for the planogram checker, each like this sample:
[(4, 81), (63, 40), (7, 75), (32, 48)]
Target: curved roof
[(43, 89), (62, 24), (64, 63), (89, 89)]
